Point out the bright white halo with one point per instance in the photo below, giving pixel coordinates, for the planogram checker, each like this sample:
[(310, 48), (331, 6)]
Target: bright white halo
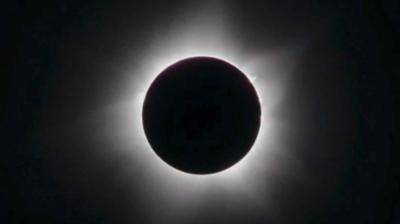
[(201, 34)]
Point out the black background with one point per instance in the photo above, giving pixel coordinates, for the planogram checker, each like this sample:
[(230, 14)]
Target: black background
[(340, 103)]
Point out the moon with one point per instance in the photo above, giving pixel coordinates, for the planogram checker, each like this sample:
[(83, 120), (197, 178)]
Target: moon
[(201, 115)]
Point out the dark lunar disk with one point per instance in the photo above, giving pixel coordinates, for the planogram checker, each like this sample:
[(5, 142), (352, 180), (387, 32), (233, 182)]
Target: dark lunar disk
[(201, 115)]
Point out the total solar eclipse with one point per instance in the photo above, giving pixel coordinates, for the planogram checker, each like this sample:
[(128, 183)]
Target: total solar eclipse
[(201, 115)]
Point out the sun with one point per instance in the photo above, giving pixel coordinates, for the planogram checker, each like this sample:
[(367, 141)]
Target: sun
[(201, 36)]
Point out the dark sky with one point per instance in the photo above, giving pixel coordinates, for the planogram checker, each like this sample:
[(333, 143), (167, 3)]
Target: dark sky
[(62, 62)]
